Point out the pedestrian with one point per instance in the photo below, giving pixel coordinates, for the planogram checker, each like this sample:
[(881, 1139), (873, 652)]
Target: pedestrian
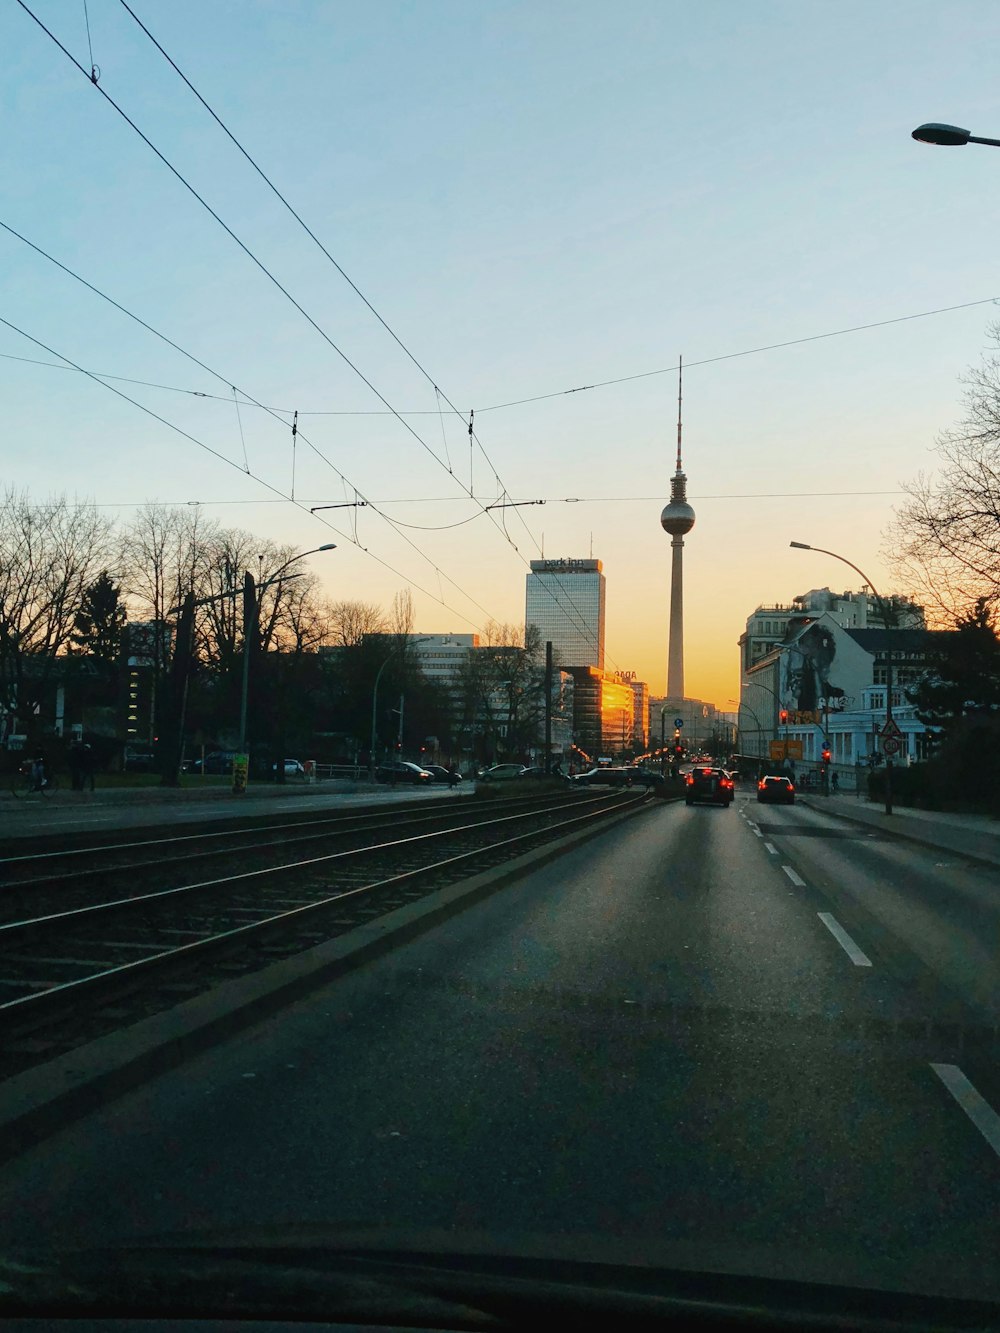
[(76, 765), (86, 767), (835, 783), (38, 773)]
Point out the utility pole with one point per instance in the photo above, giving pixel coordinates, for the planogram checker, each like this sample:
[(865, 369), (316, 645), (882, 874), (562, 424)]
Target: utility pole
[(249, 633), (548, 707), (399, 735)]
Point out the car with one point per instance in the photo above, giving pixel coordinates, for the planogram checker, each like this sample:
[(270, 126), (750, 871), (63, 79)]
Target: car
[(401, 770), (138, 761), (293, 768), (776, 788), (638, 776), (440, 774), (216, 761), (714, 786), (603, 777), (503, 772)]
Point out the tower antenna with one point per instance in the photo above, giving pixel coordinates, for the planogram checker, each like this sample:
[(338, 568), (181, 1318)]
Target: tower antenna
[(680, 382)]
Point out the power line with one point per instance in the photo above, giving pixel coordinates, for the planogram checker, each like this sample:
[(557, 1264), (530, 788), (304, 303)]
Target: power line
[(124, 310), (319, 329), (354, 287), (517, 402), (748, 351), (229, 463), (573, 499)]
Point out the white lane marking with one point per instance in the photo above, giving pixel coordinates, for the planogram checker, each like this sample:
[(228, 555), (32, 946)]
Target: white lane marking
[(857, 956), (977, 1108), (771, 848), (796, 879)]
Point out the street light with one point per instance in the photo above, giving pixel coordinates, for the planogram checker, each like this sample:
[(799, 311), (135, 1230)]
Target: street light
[(804, 546), (740, 705), (949, 136)]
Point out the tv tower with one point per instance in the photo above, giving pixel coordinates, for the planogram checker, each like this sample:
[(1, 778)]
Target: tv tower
[(677, 518)]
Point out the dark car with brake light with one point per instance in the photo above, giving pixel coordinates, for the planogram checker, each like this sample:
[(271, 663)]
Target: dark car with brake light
[(775, 788), (711, 786)]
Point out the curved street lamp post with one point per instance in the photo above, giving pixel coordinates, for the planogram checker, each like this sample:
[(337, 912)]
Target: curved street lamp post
[(949, 136), (804, 546)]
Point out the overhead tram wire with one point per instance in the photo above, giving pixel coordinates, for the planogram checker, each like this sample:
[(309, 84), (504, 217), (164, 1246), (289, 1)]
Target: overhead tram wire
[(247, 396), (517, 402), (272, 278), (439, 393), (310, 233), (230, 463)]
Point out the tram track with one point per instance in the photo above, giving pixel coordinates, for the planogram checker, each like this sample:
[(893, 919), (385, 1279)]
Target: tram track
[(78, 971)]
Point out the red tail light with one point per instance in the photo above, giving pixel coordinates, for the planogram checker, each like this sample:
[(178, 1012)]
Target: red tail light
[(690, 779), (726, 782)]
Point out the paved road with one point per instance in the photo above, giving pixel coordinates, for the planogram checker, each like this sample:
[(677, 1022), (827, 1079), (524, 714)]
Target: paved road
[(749, 1039)]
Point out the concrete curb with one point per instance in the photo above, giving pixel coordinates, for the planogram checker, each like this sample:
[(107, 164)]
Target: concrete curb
[(885, 824), (49, 1097)]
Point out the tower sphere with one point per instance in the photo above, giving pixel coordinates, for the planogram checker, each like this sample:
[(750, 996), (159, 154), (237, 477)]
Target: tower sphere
[(677, 517)]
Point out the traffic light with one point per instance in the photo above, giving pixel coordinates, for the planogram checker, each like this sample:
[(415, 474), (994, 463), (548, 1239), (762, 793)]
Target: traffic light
[(678, 750), (826, 754), (784, 716)]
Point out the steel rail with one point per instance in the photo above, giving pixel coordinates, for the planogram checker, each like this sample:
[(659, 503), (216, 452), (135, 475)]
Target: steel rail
[(71, 877), (57, 995)]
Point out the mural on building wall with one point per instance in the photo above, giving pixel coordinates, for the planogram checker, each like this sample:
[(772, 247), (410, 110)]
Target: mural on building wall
[(808, 669)]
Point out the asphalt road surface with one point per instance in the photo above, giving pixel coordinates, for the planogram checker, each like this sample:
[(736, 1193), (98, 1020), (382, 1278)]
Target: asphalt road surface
[(757, 1039)]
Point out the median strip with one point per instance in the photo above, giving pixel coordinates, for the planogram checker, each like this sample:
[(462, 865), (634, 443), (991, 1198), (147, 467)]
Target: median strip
[(976, 1107), (857, 956)]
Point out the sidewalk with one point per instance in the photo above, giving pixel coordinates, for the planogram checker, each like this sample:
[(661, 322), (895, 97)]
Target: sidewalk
[(976, 836), (120, 808), (130, 796)]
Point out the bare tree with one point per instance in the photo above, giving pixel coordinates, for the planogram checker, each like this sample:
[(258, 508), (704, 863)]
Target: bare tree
[(163, 555), (501, 688), (945, 539), (50, 553), (303, 621), (352, 622)]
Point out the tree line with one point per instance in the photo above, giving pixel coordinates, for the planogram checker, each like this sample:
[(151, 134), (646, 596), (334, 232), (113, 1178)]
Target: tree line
[(80, 594)]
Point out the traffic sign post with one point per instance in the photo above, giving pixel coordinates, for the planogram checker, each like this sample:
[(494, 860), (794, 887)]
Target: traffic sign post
[(678, 722), (890, 745)]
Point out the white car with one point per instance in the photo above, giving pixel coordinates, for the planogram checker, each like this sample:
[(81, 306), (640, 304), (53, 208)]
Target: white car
[(501, 772)]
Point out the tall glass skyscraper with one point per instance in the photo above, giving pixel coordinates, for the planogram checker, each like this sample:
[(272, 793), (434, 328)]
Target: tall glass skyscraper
[(565, 599)]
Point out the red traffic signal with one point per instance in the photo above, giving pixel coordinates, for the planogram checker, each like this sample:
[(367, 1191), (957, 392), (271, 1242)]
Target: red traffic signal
[(784, 716), (826, 754)]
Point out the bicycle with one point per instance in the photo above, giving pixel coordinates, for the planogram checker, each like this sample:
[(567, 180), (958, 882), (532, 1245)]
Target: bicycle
[(24, 783)]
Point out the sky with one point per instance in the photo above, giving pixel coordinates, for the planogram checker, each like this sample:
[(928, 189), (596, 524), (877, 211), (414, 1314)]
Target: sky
[(534, 196)]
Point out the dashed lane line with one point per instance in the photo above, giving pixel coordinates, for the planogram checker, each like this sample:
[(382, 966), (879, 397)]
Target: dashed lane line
[(771, 848), (796, 878), (857, 956), (976, 1107)]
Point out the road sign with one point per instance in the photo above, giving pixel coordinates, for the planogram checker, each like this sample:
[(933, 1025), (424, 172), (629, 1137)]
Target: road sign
[(891, 729), (678, 722), (890, 744)]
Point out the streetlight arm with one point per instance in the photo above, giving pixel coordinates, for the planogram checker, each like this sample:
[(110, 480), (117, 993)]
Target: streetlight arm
[(804, 546)]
